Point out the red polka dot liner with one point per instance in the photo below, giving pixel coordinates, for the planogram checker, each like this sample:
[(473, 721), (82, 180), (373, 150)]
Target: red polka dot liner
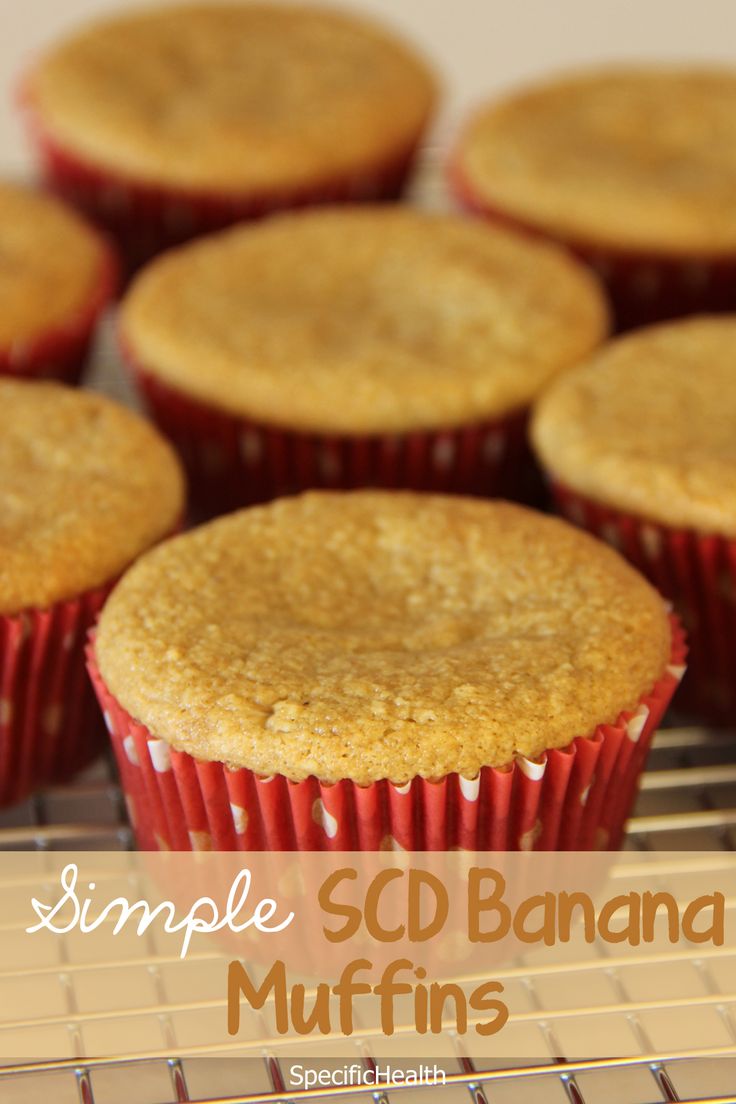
[(144, 219), (697, 573), (642, 288), (49, 720), (233, 462), (573, 798), (60, 353)]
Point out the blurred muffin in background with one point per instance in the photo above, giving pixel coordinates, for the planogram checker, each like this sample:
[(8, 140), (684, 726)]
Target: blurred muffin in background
[(634, 169), (356, 346), (56, 277), (640, 446), (86, 487), (166, 123)]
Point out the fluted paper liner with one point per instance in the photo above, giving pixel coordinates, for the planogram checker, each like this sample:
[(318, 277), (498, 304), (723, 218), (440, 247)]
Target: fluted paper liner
[(697, 573), (573, 798), (49, 720), (233, 461)]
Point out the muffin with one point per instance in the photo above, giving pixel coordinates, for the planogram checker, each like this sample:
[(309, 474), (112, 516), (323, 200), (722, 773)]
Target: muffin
[(56, 277), (640, 446), (166, 123), (86, 487), (355, 346), (382, 669), (633, 169)]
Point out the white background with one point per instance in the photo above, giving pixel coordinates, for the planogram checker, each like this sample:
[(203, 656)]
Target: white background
[(479, 46)]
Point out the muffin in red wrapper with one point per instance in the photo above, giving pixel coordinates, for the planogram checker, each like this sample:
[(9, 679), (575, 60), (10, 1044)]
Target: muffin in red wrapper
[(49, 724), (383, 670), (173, 122), (621, 166), (640, 449), (87, 486), (698, 573), (56, 277), (356, 346)]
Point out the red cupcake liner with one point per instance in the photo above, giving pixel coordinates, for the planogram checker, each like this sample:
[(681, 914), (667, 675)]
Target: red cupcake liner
[(145, 218), (233, 462), (643, 288), (49, 721), (573, 798), (697, 573), (61, 353)]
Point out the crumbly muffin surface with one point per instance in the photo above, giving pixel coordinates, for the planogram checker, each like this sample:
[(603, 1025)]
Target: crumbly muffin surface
[(647, 425), (360, 320), (86, 486), (50, 265), (377, 634), (233, 97), (633, 159)]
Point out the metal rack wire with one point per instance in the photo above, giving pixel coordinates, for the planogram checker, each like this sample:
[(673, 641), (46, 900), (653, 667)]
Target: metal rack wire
[(687, 801)]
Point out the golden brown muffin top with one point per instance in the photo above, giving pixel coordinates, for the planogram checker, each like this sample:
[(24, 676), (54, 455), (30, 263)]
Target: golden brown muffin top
[(233, 97), (363, 319), (648, 425), (636, 159), (51, 264), (86, 486), (375, 634)]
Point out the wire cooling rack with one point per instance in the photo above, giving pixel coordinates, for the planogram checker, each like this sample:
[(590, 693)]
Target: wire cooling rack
[(675, 1013)]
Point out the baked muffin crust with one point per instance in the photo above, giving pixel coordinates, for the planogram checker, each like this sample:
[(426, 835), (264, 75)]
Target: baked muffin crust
[(233, 97), (376, 634), (647, 425), (359, 320), (640, 159), (86, 486), (50, 265)]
